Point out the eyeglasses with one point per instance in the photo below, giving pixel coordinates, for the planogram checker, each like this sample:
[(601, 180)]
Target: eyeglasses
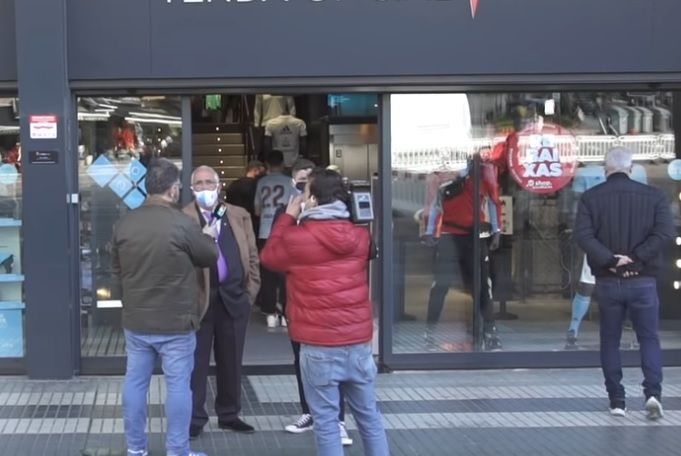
[(208, 184)]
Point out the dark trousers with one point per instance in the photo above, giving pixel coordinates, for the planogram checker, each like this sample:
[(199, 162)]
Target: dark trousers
[(301, 391), (454, 255), (638, 297), (227, 336), (272, 284)]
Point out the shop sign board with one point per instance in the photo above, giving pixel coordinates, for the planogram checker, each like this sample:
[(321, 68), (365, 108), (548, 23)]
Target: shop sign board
[(545, 158), (43, 127)]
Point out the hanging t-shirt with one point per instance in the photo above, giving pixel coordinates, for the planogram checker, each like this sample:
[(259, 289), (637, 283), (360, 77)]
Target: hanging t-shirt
[(272, 192), (268, 107), (286, 132)]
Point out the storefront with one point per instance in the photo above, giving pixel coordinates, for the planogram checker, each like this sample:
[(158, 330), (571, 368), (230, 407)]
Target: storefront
[(402, 94)]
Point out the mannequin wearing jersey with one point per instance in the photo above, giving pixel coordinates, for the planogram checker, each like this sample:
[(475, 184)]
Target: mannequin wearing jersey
[(586, 178)]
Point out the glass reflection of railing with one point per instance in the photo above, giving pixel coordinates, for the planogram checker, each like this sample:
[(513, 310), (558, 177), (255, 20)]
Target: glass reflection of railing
[(592, 148)]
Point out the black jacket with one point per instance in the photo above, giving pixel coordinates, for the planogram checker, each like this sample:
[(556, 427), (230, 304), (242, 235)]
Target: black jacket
[(624, 217)]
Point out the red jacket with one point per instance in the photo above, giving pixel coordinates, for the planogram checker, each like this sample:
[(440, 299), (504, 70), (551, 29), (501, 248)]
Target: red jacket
[(326, 264)]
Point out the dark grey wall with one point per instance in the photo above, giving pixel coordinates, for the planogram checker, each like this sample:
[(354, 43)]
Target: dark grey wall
[(8, 45), (111, 39)]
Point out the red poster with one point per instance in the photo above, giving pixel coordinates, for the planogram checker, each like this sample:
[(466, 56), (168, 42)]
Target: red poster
[(544, 159)]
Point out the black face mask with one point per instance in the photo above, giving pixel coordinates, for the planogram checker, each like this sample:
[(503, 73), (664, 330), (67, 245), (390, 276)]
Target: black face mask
[(300, 186)]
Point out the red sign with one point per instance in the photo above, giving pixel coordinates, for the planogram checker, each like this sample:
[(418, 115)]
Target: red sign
[(544, 159), (43, 127)]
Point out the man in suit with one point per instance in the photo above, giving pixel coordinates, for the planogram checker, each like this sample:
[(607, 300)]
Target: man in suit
[(230, 286)]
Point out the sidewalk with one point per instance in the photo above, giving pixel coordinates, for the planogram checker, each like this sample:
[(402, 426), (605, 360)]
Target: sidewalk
[(524, 413)]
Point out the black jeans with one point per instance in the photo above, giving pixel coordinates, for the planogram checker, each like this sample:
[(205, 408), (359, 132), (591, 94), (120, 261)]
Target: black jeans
[(301, 391), (272, 284), (454, 255), (639, 297)]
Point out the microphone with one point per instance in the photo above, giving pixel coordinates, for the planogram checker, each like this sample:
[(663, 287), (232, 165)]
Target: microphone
[(219, 211)]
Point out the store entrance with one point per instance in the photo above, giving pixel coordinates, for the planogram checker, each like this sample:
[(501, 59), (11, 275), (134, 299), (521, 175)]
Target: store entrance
[(234, 135), (118, 136)]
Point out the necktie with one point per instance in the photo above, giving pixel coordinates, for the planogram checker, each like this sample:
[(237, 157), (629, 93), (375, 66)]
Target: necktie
[(223, 270)]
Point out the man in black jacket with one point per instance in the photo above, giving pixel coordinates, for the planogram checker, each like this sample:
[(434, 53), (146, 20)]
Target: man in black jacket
[(623, 226)]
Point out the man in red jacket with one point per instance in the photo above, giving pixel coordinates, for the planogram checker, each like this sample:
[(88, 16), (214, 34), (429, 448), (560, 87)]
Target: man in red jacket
[(325, 258)]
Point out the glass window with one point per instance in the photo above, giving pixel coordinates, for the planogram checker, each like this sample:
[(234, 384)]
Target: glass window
[(11, 268), (117, 139), (538, 153)]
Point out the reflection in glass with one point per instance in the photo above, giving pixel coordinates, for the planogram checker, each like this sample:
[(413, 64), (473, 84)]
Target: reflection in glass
[(117, 139), (539, 152)]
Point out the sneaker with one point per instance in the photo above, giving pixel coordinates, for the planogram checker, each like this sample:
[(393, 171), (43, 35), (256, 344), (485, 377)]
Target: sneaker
[(302, 424), (618, 408), (283, 322), (196, 453), (571, 340), (272, 321), (654, 409), (345, 438), (138, 453)]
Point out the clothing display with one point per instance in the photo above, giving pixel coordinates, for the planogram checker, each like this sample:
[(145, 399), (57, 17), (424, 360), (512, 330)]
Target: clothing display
[(268, 107), (286, 131)]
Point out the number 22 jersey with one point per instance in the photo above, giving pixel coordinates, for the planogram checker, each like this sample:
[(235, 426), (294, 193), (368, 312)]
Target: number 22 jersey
[(273, 191)]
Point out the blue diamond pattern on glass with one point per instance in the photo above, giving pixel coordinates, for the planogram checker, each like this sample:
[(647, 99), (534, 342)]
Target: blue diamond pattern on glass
[(102, 171), (134, 199), (142, 186), (136, 171), (120, 185)]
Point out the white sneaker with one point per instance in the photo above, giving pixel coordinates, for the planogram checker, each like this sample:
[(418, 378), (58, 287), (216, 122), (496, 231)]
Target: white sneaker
[(138, 453), (618, 411), (302, 424), (345, 438), (272, 321), (654, 409), (283, 322)]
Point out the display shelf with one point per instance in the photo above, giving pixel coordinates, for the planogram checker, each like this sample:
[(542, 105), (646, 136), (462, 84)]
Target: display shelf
[(11, 278), (8, 222), (12, 305)]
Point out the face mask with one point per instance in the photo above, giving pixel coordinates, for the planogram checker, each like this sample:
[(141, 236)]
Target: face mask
[(206, 198), (300, 186)]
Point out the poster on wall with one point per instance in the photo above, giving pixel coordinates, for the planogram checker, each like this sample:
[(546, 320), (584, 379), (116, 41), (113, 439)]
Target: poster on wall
[(545, 158)]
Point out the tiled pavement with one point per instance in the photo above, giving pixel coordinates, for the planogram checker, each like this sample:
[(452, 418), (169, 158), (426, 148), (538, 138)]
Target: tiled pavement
[(542, 412)]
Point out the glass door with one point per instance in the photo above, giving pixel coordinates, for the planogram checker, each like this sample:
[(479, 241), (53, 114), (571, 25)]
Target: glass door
[(117, 139)]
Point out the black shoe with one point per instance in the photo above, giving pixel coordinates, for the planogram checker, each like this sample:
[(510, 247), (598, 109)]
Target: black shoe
[(195, 431), (571, 340), (236, 425)]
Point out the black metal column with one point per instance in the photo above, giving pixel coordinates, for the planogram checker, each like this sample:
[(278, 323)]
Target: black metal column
[(48, 183)]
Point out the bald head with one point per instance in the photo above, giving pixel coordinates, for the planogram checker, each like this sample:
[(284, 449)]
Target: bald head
[(202, 172), (618, 160)]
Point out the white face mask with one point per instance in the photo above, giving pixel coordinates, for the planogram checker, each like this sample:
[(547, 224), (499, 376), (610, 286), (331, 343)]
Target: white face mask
[(206, 199)]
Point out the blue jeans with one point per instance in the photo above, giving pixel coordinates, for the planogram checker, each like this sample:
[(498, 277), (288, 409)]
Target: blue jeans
[(177, 359), (638, 296), (351, 368)]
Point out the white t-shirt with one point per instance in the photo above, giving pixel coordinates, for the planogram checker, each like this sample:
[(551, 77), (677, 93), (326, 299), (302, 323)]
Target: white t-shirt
[(272, 192), (286, 132)]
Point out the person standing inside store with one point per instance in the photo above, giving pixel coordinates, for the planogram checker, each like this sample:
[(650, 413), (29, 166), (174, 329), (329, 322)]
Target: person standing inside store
[(623, 226), (241, 192), (326, 257), (155, 250), (272, 192), (230, 284)]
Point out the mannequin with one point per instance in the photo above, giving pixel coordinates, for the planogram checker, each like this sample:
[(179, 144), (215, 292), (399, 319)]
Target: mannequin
[(450, 221), (288, 134), (586, 178)]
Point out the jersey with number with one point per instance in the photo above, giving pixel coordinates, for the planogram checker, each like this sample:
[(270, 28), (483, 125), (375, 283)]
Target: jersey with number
[(286, 132), (273, 191)]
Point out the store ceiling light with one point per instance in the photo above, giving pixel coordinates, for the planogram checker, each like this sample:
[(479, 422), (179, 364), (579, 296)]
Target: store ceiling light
[(678, 264), (677, 285), (678, 240), (177, 123)]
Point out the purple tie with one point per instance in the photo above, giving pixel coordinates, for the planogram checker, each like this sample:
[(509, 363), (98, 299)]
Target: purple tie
[(222, 263)]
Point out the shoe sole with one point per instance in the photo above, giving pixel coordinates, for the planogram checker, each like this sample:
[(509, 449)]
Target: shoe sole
[(654, 411), (618, 413), (298, 430), (347, 442)]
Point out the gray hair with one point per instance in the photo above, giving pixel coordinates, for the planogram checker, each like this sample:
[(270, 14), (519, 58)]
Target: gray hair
[(619, 160), (205, 168), (162, 174)]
